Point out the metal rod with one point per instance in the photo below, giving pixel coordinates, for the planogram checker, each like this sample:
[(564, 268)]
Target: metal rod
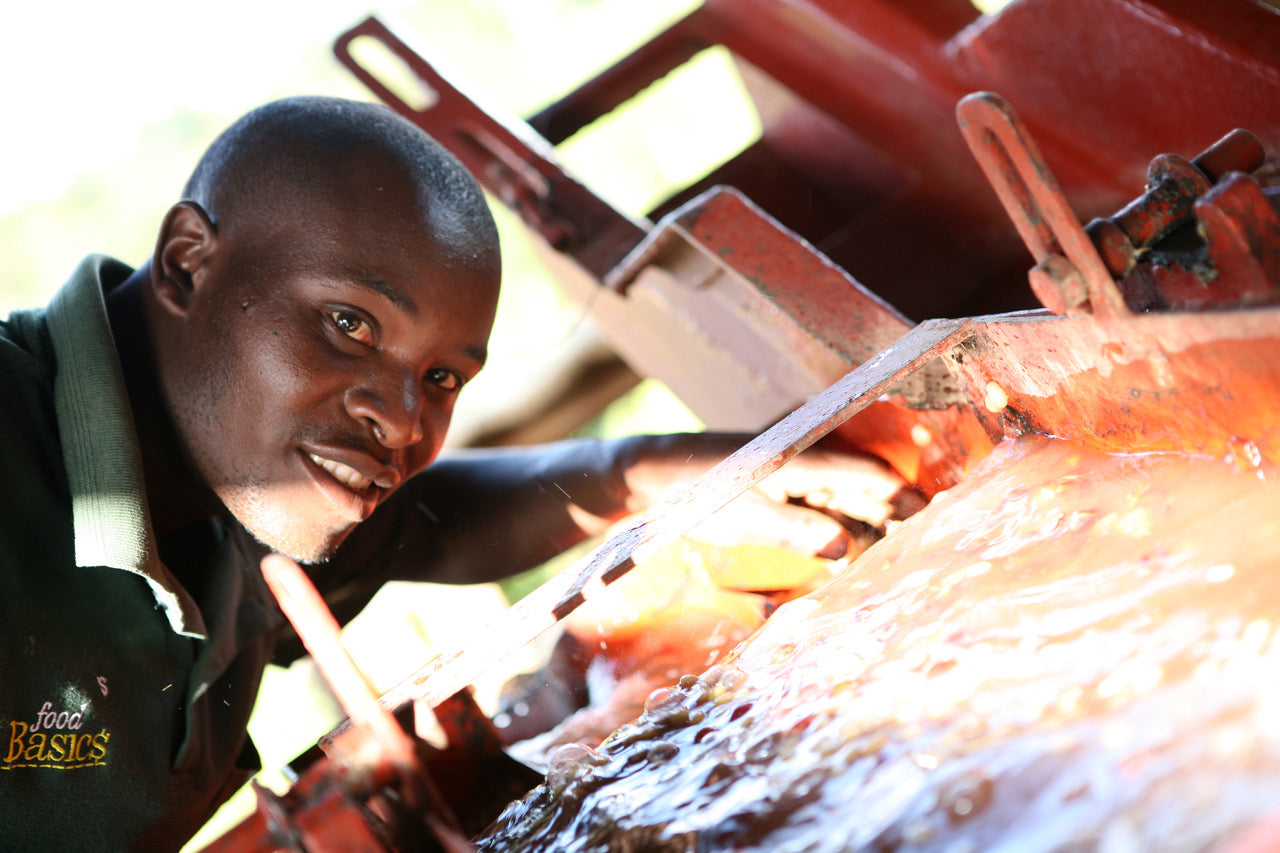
[(454, 670)]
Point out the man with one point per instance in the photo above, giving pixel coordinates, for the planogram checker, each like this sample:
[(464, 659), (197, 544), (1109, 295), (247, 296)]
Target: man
[(277, 376)]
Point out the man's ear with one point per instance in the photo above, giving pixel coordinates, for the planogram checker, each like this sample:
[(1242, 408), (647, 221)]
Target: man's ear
[(187, 239)]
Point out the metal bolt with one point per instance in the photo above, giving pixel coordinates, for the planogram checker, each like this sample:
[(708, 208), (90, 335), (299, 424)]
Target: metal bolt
[(1058, 285)]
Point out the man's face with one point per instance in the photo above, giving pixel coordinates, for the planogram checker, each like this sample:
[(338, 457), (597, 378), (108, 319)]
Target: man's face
[(321, 359)]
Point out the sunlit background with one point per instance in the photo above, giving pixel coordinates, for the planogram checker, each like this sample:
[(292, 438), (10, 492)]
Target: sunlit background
[(108, 105)]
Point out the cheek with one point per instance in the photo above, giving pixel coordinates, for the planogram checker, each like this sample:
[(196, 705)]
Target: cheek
[(434, 428), (283, 366), (270, 373)]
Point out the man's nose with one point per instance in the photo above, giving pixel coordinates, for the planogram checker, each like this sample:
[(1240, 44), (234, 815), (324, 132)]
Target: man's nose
[(394, 409)]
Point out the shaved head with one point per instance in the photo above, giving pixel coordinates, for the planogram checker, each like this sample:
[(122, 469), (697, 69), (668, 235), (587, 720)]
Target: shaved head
[(286, 155)]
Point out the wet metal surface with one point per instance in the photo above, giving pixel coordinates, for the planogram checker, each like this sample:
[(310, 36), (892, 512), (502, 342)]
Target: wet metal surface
[(1070, 650), (455, 669)]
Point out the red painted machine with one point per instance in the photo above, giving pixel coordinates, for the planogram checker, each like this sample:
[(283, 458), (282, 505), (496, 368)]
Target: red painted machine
[(789, 273)]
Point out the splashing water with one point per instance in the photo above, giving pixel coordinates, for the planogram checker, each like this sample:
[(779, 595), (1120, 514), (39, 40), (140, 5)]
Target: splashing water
[(1067, 651)]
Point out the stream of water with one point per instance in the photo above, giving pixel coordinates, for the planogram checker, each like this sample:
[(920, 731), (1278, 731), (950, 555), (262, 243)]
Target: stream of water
[(1067, 651)]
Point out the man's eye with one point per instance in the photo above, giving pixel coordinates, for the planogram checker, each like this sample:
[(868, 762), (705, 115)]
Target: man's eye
[(445, 379), (353, 326)]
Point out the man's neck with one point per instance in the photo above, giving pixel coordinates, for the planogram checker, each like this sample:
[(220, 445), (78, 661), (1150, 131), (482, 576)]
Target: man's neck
[(175, 493)]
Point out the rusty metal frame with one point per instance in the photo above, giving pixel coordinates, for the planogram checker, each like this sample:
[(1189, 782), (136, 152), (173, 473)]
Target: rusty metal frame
[(1098, 372), (508, 158), (1095, 367), (1090, 369)]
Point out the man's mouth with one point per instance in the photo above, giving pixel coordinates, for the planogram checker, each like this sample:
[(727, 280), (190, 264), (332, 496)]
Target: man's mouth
[(344, 474)]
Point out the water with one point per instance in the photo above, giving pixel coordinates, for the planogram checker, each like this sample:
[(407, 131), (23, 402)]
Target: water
[(1068, 651)]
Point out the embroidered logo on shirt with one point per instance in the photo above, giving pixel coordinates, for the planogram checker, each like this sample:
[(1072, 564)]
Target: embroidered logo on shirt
[(55, 739)]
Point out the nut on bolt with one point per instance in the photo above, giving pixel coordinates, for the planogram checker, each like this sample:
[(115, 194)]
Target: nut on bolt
[(1058, 285)]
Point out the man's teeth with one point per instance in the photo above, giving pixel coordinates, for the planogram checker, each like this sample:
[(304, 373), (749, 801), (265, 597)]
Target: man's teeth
[(343, 473)]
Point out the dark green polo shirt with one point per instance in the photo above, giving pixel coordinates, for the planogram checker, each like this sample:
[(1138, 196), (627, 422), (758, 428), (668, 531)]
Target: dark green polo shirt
[(123, 701)]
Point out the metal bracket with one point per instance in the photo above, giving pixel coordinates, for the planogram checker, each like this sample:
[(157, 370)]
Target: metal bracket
[(504, 153), (1069, 276)]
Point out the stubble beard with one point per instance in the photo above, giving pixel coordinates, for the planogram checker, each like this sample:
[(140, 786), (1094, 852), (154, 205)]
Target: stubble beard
[(272, 524), (246, 494)]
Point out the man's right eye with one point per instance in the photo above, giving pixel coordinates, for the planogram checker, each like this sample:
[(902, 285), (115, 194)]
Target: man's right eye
[(353, 326)]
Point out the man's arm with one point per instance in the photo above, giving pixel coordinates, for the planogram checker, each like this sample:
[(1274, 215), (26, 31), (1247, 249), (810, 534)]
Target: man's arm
[(491, 513), (481, 515)]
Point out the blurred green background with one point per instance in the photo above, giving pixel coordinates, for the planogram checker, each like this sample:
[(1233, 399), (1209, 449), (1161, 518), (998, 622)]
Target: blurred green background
[(108, 105)]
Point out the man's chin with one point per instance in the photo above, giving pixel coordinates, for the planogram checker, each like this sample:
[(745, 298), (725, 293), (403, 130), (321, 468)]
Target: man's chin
[(307, 558), (288, 527), (307, 549)]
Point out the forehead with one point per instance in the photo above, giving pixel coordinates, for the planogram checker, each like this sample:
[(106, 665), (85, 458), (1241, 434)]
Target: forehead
[(371, 222)]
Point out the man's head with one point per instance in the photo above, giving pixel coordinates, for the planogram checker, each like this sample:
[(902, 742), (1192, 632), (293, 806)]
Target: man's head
[(324, 290)]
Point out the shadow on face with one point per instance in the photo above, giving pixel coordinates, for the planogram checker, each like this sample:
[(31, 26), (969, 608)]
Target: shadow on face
[(315, 342)]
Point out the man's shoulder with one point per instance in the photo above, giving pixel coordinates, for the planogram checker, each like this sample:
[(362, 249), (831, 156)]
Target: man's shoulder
[(25, 348), (27, 370)]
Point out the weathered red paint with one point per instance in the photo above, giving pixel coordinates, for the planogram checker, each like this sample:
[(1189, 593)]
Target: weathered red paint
[(859, 154), (862, 171)]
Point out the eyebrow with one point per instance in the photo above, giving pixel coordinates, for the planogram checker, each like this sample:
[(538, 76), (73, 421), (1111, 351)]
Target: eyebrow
[(479, 354), (392, 295)]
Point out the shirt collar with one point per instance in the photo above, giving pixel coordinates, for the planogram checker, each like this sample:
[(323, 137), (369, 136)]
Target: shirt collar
[(112, 523)]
